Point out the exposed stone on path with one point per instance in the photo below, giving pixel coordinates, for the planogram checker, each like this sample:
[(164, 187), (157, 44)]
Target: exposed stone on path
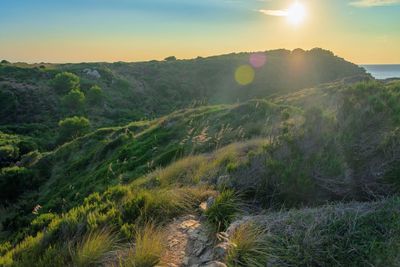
[(189, 244)]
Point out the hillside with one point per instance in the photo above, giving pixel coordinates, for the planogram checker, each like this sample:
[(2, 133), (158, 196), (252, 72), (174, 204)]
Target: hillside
[(146, 90), (298, 168)]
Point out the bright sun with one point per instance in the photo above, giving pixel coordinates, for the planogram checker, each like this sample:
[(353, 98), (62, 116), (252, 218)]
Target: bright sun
[(296, 13)]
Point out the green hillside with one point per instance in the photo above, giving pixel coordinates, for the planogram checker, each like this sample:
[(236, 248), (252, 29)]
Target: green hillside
[(301, 165)]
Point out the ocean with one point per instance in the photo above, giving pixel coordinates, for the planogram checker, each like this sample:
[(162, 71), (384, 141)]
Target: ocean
[(383, 71)]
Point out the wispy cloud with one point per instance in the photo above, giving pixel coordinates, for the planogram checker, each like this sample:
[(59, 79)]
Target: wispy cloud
[(277, 13), (373, 3)]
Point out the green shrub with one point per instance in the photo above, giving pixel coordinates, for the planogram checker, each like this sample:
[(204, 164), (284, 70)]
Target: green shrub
[(73, 102), (42, 221), (223, 210), (4, 248), (8, 154), (95, 95), (73, 127), (55, 256), (14, 181), (65, 82)]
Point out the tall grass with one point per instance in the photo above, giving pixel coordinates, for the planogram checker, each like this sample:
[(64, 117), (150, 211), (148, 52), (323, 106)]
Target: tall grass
[(223, 210), (248, 246), (148, 248), (94, 248)]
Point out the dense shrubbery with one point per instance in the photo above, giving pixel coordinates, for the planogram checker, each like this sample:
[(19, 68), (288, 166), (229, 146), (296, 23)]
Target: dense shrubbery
[(73, 127), (14, 181), (73, 102), (65, 82), (95, 95)]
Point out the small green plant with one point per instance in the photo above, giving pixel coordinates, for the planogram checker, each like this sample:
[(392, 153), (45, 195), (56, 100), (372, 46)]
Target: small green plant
[(223, 210), (248, 246), (148, 247), (94, 248)]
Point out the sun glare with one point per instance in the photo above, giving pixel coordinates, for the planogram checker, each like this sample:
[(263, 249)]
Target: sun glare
[(296, 13)]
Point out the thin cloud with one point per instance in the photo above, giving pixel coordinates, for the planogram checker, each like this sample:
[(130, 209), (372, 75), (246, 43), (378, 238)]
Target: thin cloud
[(373, 3), (277, 13)]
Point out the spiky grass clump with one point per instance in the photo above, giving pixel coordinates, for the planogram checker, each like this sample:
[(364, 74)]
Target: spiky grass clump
[(148, 248), (247, 246), (94, 248), (223, 210)]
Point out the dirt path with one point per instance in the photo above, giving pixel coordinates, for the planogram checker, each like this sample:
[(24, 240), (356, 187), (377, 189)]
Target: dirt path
[(188, 244)]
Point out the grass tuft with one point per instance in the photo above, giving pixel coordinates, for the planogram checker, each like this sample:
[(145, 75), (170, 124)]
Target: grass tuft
[(148, 247), (248, 246), (223, 210), (94, 248)]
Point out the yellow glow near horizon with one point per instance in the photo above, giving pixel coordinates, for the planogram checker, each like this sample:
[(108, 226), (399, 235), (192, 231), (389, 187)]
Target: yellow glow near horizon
[(296, 13)]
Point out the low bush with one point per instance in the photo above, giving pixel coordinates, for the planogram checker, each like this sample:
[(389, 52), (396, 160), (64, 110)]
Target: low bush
[(73, 127), (223, 210)]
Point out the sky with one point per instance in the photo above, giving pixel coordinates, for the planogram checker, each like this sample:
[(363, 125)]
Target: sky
[(58, 31)]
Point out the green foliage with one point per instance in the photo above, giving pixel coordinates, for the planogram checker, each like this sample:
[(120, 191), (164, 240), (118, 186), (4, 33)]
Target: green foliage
[(4, 248), (73, 102), (223, 210), (95, 95), (8, 153), (14, 181), (42, 221), (8, 104), (73, 127), (65, 82)]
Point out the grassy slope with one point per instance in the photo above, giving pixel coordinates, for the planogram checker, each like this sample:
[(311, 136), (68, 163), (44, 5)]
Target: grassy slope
[(302, 154)]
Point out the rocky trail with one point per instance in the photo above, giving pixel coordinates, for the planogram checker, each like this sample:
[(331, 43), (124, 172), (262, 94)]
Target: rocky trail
[(189, 244)]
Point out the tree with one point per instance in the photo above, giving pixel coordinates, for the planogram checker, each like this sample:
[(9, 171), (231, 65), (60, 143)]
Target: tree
[(171, 58), (4, 62), (65, 82), (74, 100), (95, 95), (73, 127)]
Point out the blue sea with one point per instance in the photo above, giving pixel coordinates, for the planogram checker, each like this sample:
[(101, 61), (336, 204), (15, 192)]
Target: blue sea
[(383, 71)]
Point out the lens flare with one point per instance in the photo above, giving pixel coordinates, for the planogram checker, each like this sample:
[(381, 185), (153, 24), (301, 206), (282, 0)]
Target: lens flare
[(257, 60), (244, 75)]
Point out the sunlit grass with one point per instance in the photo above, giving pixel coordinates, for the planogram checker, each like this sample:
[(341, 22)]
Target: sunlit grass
[(147, 249), (247, 246), (94, 248)]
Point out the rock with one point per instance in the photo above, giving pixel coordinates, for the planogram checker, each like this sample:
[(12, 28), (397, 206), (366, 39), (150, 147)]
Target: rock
[(207, 256), (220, 250), (92, 73), (185, 261), (207, 204), (214, 264)]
